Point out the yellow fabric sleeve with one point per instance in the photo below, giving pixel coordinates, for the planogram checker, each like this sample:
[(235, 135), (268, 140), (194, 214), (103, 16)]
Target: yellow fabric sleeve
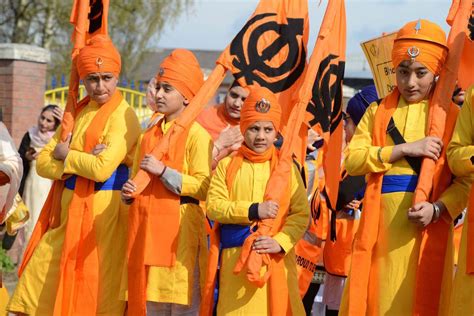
[(298, 216), (461, 148), (456, 195), (99, 168), (362, 158), (46, 165), (218, 204), (195, 182)]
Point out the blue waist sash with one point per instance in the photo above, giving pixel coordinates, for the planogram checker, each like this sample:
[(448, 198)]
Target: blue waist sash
[(115, 182), (233, 235), (399, 183)]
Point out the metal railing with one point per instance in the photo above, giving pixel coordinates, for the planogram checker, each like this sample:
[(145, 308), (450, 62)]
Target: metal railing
[(135, 98)]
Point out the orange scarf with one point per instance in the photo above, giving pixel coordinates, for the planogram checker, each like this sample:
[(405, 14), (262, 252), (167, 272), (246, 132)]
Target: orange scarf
[(78, 286), (250, 261), (222, 113), (153, 222), (214, 119), (434, 237)]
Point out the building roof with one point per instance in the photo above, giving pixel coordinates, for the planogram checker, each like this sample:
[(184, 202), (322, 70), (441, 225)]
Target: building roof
[(153, 58), (356, 69)]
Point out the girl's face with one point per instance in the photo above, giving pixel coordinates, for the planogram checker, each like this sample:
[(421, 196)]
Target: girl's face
[(46, 122), (260, 136), (169, 101), (234, 100), (414, 81)]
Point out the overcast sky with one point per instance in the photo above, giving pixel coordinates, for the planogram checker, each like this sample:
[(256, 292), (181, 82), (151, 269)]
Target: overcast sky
[(211, 24)]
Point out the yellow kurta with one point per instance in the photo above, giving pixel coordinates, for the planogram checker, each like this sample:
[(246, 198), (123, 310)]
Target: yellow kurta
[(237, 296), (396, 252), (175, 284), (36, 290), (460, 151)]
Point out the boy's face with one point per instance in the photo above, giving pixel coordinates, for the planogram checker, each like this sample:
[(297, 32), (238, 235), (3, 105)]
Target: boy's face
[(100, 86), (169, 101), (260, 136), (414, 81)]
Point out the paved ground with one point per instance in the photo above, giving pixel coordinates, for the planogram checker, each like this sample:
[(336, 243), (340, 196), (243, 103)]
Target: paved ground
[(10, 279)]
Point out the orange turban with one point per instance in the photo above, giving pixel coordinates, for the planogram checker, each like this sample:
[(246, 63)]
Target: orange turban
[(99, 55), (422, 41), (260, 105), (181, 70)]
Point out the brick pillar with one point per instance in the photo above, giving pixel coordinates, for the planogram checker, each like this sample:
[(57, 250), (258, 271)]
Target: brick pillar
[(22, 84)]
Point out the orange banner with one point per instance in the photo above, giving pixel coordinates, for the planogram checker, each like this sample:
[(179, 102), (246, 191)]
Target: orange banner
[(322, 92), (465, 73), (320, 105), (270, 50)]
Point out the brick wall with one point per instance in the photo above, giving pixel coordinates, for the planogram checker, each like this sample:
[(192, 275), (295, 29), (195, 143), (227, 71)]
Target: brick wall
[(22, 84)]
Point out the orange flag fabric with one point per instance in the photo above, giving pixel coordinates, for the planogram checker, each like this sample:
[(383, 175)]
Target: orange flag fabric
[(320, 104), (465, 73), (324, 110), (270, 50)]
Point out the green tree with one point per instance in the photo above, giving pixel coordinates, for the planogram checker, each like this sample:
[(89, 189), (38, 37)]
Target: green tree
[(132, 26)]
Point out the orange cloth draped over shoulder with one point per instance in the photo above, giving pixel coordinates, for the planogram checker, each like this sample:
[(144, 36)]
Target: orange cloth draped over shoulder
[(214, 119), (260, 105), (424, 42), (154, 215), (79, 265)]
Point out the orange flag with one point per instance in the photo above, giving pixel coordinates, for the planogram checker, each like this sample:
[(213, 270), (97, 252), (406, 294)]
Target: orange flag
[(270, 50), (320, 104), (465, 73)]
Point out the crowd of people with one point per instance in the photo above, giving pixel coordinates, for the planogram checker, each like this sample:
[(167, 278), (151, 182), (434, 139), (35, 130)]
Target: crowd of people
[(115, 227)]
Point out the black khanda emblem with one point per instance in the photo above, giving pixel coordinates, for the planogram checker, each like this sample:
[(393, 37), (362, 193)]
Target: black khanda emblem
[(324, 95), (470, 26), (288, 34), (95, 15)]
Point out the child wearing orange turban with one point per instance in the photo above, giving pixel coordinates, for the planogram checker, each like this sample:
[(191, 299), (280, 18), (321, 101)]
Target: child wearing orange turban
[(167, 238), (235, 201), (76, 254), (387, 250)]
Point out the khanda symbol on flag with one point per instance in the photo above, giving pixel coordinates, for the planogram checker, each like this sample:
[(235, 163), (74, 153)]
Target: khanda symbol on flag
[(95, 16), (252, 65), (326, 102), (270, 50)]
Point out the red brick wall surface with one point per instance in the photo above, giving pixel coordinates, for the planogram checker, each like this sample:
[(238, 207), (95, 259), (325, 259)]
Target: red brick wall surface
[(21, 94)]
